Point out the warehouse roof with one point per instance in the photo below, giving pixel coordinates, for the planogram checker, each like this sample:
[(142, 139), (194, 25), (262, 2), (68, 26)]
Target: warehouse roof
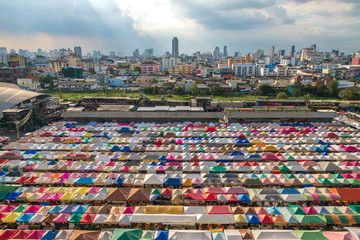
[(10, 97)]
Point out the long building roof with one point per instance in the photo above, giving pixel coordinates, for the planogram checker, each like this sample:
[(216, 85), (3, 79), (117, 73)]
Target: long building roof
[(10, 97)]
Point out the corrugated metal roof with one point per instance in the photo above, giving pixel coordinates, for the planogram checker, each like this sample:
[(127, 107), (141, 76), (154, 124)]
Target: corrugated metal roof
[(9, 97)]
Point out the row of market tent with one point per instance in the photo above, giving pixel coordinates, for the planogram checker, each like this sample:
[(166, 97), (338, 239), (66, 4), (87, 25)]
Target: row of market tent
[(138, 234), (293, 215), (185, 195)]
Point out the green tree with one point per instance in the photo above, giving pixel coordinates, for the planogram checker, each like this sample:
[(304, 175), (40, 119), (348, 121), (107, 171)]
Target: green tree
[(168, 86), (92, 70), (156, 90), (332, 86), (111, 71), (194, 90), (282, 95), (180, 90), (352, 80), (216, 91), (266, 90), (297, 92), (137, 69), (147, 90), (349, 94), (154, 80)]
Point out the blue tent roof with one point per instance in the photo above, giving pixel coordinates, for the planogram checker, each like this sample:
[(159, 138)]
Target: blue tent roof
[(13, 195), (49, 235), (124, 129), (69, 209), (81, 209), (115, 148), (85, 180), (3, 173), (161, 235), (30, 152), (173, 181), (273, 210), (253, 219), (56, 209), (244, 198), (52, 162), (162, 157), (126, 149), (119, 181), (25, 217), (289, 191)]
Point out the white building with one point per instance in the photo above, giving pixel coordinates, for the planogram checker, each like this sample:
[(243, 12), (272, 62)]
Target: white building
[(345, 84), (244, 69), (168, 62), (30, 83), (3, 56)]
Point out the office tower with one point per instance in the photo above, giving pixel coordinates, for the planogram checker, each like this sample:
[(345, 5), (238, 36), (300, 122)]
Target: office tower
[(40, 51), (313, 47), (112, 53), (217, 52), (149, 53), (280, 53), (175, 47), (3, 56), (77, 51), (136, 53), (225, 51), (292, 51), (260, 53), (272, 51), (167, 54)]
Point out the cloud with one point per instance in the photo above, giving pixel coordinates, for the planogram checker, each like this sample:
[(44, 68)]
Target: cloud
[(234, 15)]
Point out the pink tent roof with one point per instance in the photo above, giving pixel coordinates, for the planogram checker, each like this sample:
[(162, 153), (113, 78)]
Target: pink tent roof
[(36, 234), (310, 210), (128, 210), (62, 218), (332, 235), (33, 209)]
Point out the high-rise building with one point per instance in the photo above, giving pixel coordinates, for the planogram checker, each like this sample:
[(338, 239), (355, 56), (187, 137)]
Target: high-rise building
[(77, 51), (112, 53), (149, 53), (136, 53), (313, 46), (280, 53), (217, 52), (260, 53), (292, 51), (225, 54), (3, 56), (272, 51), (175, 47)]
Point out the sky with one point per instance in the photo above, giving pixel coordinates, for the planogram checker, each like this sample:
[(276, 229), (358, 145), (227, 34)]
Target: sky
[(200, 25)]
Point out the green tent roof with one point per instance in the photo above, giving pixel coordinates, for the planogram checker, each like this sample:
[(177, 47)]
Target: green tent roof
[(126, 234), (75, 218), (313, 219), (21, 208), (297, 209), (217, 169), (310, 235)]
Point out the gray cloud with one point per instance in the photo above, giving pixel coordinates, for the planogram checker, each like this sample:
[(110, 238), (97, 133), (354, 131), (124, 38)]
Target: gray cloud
[(235, 14)]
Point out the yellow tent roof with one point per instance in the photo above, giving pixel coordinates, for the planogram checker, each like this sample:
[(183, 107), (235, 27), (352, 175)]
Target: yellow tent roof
[(156, 209), (51, 190), (67, 196), (256, 142), (26, 195), (83, 190), (251, 149), (11, 218), (34, 197), (240, 218), (187, 182), (270, 148)]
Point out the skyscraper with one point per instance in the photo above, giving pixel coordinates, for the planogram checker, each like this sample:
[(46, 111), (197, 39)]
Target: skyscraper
[(225, 51), (175, 47), (292, 51), (3, 56), (313, 46), (77, 51), (217, 52), (136, 53), (272, 51)]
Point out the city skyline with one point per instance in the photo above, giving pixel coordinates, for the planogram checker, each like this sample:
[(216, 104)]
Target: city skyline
[(117, 25)]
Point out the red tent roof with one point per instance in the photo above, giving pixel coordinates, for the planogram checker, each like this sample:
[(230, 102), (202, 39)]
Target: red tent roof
[(220, 209)]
